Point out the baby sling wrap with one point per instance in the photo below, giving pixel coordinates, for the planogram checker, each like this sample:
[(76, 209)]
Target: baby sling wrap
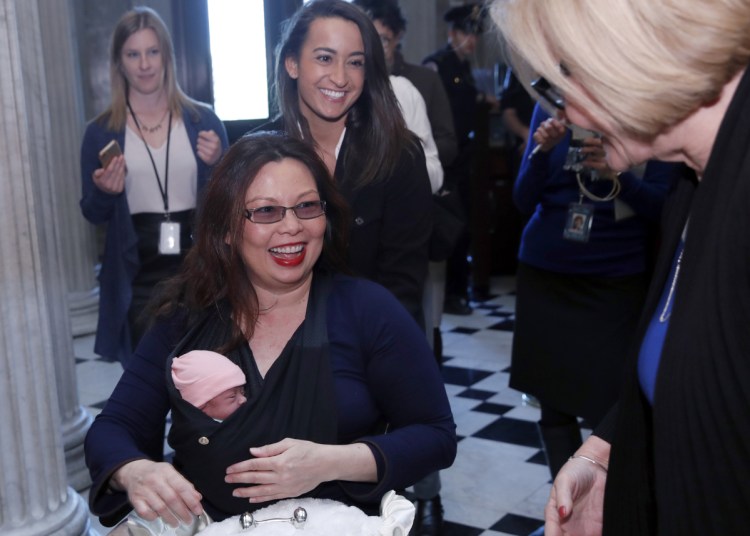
[(295, 399)]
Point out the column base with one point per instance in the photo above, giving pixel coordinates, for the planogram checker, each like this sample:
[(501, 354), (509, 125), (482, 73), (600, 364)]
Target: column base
[(84, 311), (74, 434), (71, 519)]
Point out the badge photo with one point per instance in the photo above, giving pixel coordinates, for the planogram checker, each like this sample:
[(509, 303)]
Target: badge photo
[(578, 223)]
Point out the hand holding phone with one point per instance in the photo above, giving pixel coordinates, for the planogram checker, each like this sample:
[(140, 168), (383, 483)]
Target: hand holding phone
[(110, 150), (110, 178)]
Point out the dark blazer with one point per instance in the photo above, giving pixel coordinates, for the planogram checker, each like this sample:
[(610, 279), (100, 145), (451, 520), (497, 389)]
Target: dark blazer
[(431, 88), (461, 89), (391, 228)]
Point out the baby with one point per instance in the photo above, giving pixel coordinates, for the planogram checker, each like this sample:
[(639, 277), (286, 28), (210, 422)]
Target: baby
[(210, 382)]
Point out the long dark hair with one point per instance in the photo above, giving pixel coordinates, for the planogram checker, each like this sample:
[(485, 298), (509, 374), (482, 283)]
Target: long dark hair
[(213, 270), (376, 130)]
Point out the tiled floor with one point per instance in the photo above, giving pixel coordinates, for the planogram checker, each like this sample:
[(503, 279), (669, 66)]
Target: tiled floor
[(499, 482)]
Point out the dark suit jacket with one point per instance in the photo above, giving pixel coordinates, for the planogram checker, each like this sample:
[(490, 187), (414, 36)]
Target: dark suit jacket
[(391, 227), (431, 88)]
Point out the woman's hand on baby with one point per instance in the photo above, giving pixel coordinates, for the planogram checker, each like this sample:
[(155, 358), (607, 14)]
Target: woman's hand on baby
[(111, 179), (280, 470), (156, 489)]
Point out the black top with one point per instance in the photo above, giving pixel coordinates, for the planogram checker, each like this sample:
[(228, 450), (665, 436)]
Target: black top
[(431, 88), (459, 83), (515, 97)]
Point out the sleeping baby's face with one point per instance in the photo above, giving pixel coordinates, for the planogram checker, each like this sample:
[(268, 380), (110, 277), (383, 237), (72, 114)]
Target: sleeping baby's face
[(222, 406)]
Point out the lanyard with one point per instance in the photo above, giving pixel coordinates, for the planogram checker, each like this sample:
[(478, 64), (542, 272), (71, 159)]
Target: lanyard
[(163, 191)]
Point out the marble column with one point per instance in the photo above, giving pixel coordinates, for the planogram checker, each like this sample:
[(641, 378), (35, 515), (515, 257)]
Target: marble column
[(74, 237), (64, 96), (425, 29), (34, 322)]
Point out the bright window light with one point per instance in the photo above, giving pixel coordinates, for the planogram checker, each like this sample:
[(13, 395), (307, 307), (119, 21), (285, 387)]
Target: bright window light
[(238, 57)]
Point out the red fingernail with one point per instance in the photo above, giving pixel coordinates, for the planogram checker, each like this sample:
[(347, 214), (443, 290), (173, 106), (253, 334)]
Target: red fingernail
[(562, 511)]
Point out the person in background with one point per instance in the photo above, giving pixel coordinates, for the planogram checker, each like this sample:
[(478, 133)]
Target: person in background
[(332, 362), (516, 108), (414, 110), (147, 195), (210, 382), (391, 26), (667, 81), (454, 68), (584, 266), (333, 91)]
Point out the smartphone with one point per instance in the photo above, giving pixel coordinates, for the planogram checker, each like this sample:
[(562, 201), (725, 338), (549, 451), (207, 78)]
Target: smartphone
[(110, 150)]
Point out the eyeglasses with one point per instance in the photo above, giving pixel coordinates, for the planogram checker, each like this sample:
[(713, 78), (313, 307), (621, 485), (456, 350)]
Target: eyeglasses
[(549, 93), (273, 213)]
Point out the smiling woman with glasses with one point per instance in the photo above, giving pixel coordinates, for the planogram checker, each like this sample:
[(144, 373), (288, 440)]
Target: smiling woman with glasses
[(318, 349)]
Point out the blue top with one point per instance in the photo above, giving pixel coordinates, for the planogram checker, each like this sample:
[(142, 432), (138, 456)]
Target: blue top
[(653, 340), (615, 248), (382, 369), (120, 262)]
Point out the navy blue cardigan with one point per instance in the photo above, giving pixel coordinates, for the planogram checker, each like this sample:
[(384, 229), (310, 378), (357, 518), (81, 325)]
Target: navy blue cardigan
[(383, 370), (615, 248), (120, 261)]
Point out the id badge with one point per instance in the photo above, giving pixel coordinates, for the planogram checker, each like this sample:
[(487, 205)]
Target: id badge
[(169, 238), (578, 223)]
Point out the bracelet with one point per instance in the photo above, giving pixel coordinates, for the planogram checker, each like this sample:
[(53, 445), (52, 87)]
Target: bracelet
[(590, 460)]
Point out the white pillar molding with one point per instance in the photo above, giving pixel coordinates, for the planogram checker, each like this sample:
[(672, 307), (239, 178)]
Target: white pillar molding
[(36, 353), (73, 237), (66, 120)]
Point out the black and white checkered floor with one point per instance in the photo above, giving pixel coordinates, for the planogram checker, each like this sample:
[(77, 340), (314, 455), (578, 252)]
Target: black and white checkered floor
[(499, 482)]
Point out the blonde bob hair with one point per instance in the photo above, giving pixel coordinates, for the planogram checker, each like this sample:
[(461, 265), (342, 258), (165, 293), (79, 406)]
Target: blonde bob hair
[(141, 18), (638, 66)]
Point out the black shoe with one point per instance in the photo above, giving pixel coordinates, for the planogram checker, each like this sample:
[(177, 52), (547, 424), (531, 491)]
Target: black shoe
[(428, 520), (456, 305), (481, 293)]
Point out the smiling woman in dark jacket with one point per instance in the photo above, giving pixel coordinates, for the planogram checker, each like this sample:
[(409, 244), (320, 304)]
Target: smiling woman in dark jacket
[(333, 91)]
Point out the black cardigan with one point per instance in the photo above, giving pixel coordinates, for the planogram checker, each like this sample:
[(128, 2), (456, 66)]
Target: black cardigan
[(683, 466)]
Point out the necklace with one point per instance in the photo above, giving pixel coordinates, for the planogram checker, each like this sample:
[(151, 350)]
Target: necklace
[(667, 310), (164, 191), (142, 126)]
